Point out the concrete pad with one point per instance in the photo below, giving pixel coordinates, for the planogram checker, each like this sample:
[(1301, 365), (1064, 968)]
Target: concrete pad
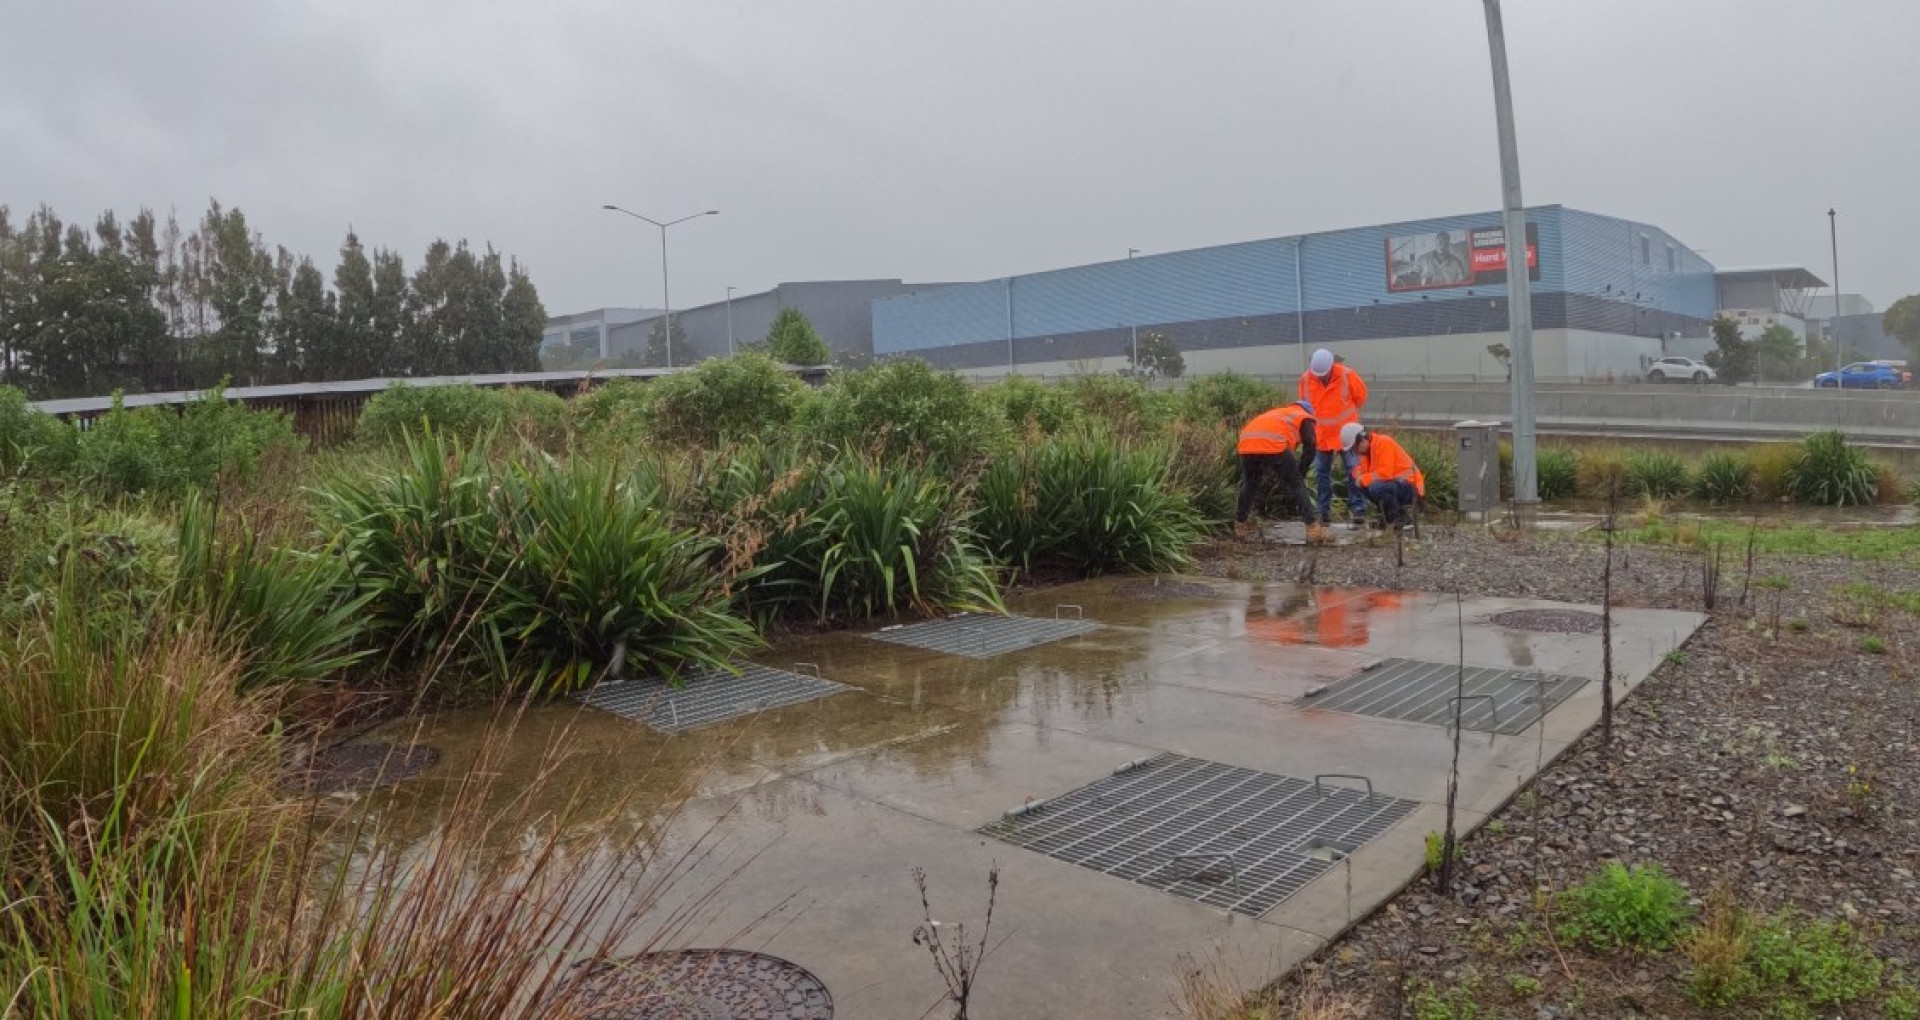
[(818, 812), (831, 889)]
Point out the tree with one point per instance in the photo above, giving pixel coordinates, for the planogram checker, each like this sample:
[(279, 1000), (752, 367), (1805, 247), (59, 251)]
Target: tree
[(792, 339), (1780, 356), (655, 353), (1732, 356), (1504, 356), (1901, 321), (1157, 357)]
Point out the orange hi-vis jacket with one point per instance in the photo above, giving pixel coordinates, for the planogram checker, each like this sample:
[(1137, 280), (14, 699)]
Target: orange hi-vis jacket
[(1274, 431), (1335, 402), (1386, 459)]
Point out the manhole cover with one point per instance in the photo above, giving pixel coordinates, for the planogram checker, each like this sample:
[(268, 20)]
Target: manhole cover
[(707, 696), (1156, 590), (702, 984), (1549, 621), (1227, 837), (1500, 700), (983, 636), (365, 765)]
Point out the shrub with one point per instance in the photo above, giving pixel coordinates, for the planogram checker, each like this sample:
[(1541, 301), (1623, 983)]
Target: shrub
[(1122, 404), (463, 412), (29, 438), (1717, 951), (1773, 466), (904, 410), (1602, 473), (1890, 488), (1206, 468), (1227, 398), (612, 411), (1031, 407), (1831, 473), (540, 572), (1637, 908), (1435, 459), (1088, 503), (721, 400), (1558, 472), (168, 452), (1659, 474), (289, 615), (1826, 961), (1724, 477)]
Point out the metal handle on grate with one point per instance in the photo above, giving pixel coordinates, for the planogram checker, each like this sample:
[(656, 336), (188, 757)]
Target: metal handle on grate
[(1341, 775), (798, 666), (1078, 613), (1025, 809), (1493, 706), (1233, 866)]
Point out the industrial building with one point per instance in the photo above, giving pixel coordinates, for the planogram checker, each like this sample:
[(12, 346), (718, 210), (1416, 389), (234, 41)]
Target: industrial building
[(1419, 298)]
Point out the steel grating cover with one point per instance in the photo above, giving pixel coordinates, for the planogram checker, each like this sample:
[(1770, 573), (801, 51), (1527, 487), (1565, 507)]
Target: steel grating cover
[(708, 696), (1227, 837), (983, 636), (1496, 700)]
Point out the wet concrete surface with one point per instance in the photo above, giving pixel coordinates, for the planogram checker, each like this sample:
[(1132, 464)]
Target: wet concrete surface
[(807, 820)]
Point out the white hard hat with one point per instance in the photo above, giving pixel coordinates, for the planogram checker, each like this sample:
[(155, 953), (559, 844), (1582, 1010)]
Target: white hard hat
[(1322, 362), (1350, 434)]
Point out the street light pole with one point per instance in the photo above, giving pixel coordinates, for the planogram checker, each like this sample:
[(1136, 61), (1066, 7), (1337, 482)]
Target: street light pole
[(730, 291), (1519, 295), (666, 296), (1833, 237), (1133, 309)]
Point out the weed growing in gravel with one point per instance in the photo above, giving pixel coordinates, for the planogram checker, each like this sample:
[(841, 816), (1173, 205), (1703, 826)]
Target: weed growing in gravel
[(1873, 644), (1526, 986), (1859, 787), (1905, 601), (1436, 851), (1784, 540), (1626, 908), (1717, 950), (1826, 961), (1454, 1003), (1496, 827), (1799, 625), (1676, 658)]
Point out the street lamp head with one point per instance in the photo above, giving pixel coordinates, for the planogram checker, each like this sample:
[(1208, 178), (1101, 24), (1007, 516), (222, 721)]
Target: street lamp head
[(711, 212)]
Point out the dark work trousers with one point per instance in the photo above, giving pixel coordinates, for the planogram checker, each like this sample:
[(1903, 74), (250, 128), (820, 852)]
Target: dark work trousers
[(1395, 499), (1254, 469)]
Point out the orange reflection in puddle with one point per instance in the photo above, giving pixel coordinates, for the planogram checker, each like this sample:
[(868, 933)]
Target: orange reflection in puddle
[(1330, 618)]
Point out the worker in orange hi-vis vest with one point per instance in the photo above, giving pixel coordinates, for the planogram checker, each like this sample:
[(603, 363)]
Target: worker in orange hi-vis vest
[(1387, 472), (1267, 450), (1338, 393)]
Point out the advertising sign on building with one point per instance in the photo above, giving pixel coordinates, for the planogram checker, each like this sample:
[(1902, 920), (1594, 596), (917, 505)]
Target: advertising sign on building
[(1455, 258)]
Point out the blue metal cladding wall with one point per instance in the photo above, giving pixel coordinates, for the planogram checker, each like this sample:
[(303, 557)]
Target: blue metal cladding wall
[(1601, 259), (1242, 295)]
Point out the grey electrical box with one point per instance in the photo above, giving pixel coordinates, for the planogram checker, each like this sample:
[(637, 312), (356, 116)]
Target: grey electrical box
[(1476, 448)]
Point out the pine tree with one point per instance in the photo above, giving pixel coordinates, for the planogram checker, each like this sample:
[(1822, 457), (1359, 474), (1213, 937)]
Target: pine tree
[(524, 320), (792, 339), (355, 331)]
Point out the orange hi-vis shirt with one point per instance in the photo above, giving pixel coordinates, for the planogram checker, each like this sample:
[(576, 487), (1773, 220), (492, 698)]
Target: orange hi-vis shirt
[(1386, 459), (1335, 402), (1274, 431)]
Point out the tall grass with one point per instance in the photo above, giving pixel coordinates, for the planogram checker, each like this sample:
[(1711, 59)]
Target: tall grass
[(1436, 460), (1657, 474), (153, 868), (1087, 503), (1602, 473), (1724, 477), (721, 400), (1557, 472), (465, 412), (1829, 472)]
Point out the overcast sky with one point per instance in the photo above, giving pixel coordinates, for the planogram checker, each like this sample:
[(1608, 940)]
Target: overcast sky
[(935, 140)]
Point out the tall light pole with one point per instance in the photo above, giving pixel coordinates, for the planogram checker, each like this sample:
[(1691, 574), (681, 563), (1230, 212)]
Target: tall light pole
[(730, 291), (1133, 309), (1519, 295), (666, 297), (1833, 237)]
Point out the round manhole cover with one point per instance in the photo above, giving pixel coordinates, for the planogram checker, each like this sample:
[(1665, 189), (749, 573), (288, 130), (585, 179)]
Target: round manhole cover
[(363, 766), (703, 984), (1153, 590), (1550, 621)]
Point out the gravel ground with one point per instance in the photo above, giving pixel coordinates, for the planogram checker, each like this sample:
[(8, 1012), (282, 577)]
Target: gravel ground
[(1730, 767)]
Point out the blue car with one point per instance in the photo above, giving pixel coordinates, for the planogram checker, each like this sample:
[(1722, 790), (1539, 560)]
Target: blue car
[(1862, 375)]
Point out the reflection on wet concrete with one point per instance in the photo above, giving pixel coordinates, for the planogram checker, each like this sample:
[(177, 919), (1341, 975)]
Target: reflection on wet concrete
[(832, 800)]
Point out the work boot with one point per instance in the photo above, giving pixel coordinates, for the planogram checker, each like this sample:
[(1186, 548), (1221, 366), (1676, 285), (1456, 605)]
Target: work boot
[(1317, 534), (1240, 529)]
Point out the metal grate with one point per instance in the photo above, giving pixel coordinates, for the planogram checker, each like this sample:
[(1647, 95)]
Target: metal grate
[(1497, 700), (1227, 837), (983, 636), (708, 696)]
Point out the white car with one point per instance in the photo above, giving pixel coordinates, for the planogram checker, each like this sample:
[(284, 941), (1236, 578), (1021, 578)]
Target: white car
[(1679, 370)]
